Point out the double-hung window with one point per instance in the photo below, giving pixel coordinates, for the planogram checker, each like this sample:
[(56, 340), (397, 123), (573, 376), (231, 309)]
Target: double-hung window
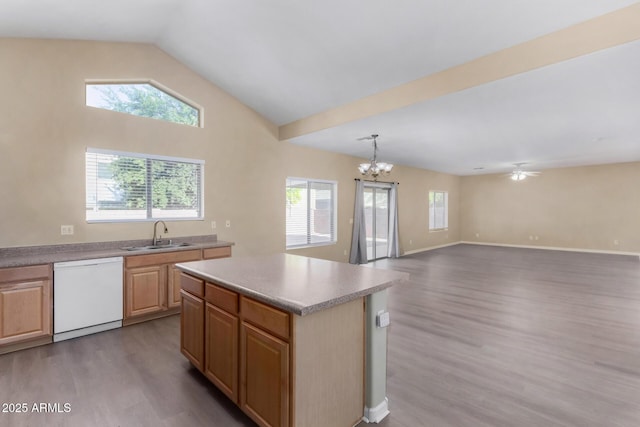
[(438, 210), (124, 186), (310, 212)]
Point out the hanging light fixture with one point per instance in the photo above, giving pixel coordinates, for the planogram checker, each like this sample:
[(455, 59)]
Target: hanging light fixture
[(374, 168)]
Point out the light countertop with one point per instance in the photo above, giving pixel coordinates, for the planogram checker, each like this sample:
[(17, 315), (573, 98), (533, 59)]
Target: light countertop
[(294, 283), (34, 255)]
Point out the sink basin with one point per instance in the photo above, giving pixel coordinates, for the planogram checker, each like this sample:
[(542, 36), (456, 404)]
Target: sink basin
[(152, 247)]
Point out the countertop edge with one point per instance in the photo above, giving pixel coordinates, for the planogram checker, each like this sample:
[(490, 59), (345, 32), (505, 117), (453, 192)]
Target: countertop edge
[(53, 257), (284, 304)]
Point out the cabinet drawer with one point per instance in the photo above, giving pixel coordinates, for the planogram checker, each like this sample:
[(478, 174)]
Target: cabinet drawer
[(221, 297), (265, 317), (163, 258), (15, 274), (192, 285), (221, 252)]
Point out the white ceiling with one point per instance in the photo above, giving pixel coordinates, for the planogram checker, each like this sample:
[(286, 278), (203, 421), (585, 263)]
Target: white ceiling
[(290, 59), (579, 112)]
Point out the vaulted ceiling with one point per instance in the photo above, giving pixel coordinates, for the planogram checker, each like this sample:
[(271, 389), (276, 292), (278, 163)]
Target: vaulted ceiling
[(449, 86)]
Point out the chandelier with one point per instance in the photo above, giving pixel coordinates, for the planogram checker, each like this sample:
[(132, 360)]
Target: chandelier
[(374, 168)]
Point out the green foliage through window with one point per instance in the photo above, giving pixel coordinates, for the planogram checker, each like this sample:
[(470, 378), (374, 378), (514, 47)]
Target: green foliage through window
[(127, 186), (141, 99)]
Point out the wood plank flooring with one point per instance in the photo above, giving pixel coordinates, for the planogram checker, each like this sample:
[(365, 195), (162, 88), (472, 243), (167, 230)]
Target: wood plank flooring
[(490, 336), (480, 336)]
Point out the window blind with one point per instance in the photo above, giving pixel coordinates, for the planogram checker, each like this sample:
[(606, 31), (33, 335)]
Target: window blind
[(438, 210), (131, 186), (310, 212)]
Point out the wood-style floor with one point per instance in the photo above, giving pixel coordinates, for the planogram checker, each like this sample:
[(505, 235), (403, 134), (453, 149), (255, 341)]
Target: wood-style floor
[(490, 336), (480, 336)]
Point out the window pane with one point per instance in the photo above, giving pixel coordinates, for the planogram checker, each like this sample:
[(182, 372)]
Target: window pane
[(175, 189), (297, 215), (438, 210), (141, 99), (138, 187), (320, 212), (116, 187), (310, 212)]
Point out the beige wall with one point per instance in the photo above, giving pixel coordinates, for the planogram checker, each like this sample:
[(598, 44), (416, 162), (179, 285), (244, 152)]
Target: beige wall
[(413, 194), (582, 207), (45, 128), (413, 207)]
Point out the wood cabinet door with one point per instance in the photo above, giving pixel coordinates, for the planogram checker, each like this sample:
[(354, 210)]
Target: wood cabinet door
[(221, 350), (264, 377), (145, 290), (192, 329), (25, 310), (173, 287)]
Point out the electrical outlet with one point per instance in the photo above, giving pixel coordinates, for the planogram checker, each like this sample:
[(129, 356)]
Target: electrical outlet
[(616, 242), (213, 225), (345, 251), (228, 223), (382, 319), (66, 230), (350, 220), (477, 235), (410, 242)]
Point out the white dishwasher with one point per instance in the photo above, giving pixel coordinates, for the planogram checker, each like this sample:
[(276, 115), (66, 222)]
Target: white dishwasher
[(87, 297)]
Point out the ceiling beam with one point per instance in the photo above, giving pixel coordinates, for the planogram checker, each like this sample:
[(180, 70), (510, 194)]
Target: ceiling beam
[(609, 30)]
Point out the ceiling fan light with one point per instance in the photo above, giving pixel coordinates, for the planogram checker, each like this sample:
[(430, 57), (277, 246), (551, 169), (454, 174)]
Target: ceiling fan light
[(364, 167), (518, 176), (387, 167)]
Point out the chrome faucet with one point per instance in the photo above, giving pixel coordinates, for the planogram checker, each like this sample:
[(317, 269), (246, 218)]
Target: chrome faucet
[(157, 240)]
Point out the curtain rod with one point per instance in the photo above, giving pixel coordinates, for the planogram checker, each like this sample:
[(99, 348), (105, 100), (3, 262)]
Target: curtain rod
[(380, 182)]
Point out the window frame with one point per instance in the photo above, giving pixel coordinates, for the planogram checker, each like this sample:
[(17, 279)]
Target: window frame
[(431, 226), (155, 84), (147, 157), (333, 215)]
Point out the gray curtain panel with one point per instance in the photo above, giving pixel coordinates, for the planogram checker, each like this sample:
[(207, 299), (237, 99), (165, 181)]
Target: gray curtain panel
[(359, 237)]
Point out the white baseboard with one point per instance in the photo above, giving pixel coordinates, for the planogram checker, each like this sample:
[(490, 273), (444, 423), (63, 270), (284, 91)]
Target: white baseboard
[(415, 251), (553, 248), (377, 413)]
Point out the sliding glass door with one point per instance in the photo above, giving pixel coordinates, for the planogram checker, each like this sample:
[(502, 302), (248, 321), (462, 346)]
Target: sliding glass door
[(376, 209)]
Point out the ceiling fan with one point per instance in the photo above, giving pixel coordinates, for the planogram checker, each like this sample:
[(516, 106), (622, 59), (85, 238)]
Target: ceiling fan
[(518, 174)]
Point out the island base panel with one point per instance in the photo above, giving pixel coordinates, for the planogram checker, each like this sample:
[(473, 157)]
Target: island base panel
[(329, 366)]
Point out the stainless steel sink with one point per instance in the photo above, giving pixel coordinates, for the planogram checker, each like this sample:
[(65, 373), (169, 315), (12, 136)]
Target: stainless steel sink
[(154, 247)]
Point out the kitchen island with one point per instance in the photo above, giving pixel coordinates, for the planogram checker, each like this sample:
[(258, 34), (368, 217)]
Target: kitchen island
[(291, 340)]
